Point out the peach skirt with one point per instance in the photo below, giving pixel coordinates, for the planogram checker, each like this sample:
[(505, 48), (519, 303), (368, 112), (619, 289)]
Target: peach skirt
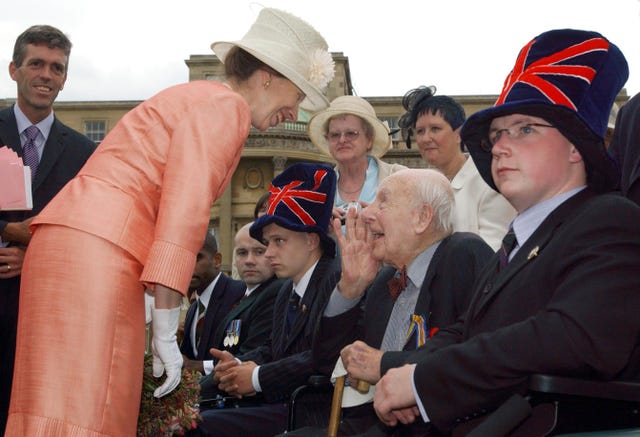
[(81, 335)]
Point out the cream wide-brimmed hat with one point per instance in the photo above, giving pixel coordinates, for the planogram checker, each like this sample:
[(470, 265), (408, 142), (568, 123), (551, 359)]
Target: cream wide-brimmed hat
[(349, 105), (293, 48)]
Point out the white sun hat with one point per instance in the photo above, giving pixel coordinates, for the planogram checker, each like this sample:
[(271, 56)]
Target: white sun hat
[(293, 48), (349, 105)]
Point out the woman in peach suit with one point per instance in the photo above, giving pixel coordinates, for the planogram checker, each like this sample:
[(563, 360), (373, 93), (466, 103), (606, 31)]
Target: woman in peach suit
[(134, 217)]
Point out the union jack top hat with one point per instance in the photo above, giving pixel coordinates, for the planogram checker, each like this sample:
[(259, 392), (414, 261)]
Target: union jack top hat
[(301, 200), (569, 78)]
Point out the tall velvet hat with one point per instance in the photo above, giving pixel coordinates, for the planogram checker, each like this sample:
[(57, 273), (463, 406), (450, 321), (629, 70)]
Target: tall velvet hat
[(570, 78), (301, 200)]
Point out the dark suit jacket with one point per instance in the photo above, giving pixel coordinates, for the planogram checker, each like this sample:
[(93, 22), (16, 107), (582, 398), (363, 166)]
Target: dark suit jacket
[(256, 316), (65, 152), (444, 296), (566, 304), (625, 148), (224, 295), (285, 365)]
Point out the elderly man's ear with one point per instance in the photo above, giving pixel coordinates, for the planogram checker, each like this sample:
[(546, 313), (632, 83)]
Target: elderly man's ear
[(424, 218)]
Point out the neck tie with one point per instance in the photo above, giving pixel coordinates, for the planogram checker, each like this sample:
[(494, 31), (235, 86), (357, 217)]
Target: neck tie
[(509, 242), (30, 151), (398, 283), (292, 309), (200, 320)]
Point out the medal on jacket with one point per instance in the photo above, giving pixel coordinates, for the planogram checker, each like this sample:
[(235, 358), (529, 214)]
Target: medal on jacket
[(232, 337), (419, 327)]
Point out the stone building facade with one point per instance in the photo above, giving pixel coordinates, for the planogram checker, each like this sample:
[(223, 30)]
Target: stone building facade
[(265, 154)]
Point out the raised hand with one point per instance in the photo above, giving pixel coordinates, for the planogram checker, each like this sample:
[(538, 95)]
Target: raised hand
[(359, 268)]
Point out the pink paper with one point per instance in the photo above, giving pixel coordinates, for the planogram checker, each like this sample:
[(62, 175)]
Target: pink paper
[(15, 182)]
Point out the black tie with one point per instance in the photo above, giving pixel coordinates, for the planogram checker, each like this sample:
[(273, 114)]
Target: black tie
[(292, 309), (509, 242)]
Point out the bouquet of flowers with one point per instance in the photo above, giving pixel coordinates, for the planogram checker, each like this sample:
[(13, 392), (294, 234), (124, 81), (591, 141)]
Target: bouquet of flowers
[(173, 414)]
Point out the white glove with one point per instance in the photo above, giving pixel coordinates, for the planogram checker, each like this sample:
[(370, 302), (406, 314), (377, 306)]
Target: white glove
[(166, 354)]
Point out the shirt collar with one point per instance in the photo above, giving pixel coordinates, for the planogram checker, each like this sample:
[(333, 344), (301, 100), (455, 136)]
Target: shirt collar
[(301, 287), (526, 223), (420, 264), (249, 290), (23, 122), (205, 296)]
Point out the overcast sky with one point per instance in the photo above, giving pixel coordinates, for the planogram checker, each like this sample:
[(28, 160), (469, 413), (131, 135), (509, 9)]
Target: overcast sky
[(129, 50)]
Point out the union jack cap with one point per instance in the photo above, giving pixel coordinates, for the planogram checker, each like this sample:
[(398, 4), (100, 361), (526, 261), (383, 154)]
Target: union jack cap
[(301, 199), (571, 79)]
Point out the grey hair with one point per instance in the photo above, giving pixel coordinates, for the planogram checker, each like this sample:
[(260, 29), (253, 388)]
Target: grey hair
[(433, 188)]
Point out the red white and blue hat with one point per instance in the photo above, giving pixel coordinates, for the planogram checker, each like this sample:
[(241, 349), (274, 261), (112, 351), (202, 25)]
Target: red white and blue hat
[(569, 78), (301, 200)]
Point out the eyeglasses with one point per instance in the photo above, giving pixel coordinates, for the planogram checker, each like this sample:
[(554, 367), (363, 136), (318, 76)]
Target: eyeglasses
[(349, 135), (517, 132)]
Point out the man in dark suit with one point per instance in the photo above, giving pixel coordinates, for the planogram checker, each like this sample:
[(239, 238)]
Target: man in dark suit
[(39, 67), (215, 295), (248, 324), (411, 222), (299, 249), (561, 296)]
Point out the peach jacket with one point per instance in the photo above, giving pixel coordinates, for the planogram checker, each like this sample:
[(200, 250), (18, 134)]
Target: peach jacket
[(149, 186)]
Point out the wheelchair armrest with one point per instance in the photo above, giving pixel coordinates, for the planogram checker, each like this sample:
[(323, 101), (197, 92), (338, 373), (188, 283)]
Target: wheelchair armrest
[(615, 390), (315, 384), (319, 381)]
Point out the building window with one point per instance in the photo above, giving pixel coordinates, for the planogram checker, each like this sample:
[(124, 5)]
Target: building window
[(393, 126), (95, 129)]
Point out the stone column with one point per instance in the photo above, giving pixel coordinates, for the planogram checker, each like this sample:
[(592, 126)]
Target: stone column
[(279, 163)]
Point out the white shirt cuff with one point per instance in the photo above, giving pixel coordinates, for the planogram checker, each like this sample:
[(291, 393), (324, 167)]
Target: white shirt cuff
[(255, 380), (208, 366)]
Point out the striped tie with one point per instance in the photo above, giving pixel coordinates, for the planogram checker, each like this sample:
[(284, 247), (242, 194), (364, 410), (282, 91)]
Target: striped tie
[(30, 151), (200, 321), (509, 242)]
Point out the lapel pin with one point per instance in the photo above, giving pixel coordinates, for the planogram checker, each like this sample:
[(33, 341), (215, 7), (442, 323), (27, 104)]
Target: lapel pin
[(304, 308), (533, 253)]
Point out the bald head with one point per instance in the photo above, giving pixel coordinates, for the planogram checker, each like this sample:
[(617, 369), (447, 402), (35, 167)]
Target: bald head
[(253, 267)]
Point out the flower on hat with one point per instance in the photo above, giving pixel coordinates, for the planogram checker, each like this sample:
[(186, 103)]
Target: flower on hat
[(321, 68)]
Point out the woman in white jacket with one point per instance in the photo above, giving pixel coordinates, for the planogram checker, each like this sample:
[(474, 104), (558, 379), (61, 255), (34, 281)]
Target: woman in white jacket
[(436, 121)]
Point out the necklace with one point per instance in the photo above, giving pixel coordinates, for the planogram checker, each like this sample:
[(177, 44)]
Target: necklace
[(342, 190)]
